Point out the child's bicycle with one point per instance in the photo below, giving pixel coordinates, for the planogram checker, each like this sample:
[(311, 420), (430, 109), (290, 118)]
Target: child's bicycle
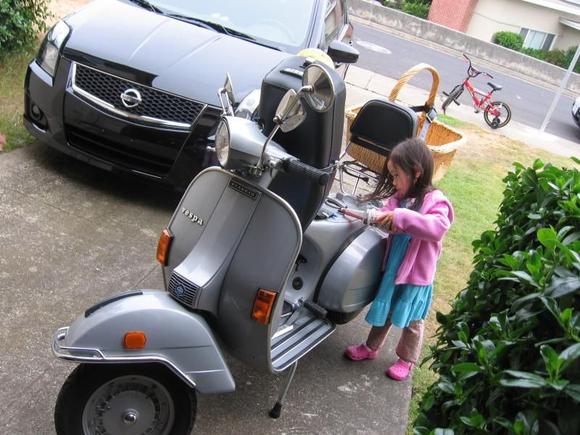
[(496, 113)]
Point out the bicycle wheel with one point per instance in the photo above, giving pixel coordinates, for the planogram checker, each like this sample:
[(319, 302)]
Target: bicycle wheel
[(499, 119), (453, 96)]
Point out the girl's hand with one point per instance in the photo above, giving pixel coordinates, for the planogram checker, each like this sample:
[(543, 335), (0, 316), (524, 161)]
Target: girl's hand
[(385, 219)]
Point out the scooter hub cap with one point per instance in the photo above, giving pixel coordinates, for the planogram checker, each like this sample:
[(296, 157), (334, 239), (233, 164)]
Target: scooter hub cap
[(129, 405)]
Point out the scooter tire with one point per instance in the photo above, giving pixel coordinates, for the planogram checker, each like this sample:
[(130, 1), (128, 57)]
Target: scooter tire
[(84, 385)]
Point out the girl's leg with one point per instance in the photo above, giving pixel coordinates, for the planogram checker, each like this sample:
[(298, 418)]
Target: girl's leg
[(370, 349), (377, 336), (411, 341), (408, 351)]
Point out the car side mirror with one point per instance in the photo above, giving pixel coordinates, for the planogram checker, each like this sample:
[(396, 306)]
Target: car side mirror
[(341, 52)]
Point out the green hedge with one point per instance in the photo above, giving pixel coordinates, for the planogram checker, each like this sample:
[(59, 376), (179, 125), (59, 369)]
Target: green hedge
[(508, 352), (418, 8), (20, 23), (514, 41), (510, 40)]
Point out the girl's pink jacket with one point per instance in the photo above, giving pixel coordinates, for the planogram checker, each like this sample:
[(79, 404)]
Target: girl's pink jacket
[(426, 228)]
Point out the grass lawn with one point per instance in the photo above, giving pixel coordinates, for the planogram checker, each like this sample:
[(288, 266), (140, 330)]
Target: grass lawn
[(12, 72), (474, 185)]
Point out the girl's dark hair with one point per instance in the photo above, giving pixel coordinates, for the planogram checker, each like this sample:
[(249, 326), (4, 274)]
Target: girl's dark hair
[(410, 155)]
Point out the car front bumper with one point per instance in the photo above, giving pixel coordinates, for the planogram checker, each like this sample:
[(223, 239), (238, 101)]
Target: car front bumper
[(61, 118)]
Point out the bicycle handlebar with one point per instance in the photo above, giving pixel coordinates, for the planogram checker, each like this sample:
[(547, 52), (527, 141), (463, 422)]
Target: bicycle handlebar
[(472, 72)]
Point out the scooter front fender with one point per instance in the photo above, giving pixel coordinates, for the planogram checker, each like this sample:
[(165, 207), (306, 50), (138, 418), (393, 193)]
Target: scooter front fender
[(176, 337)]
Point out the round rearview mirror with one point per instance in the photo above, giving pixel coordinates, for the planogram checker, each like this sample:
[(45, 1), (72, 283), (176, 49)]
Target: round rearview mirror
[(290, 112), (320, 94)]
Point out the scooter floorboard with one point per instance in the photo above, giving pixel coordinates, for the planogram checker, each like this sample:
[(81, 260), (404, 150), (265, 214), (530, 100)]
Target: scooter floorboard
[(303, 335)]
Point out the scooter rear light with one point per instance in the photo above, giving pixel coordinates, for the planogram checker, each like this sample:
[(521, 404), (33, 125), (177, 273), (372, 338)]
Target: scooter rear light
[(134, 340), (163, 246), (263, 305)]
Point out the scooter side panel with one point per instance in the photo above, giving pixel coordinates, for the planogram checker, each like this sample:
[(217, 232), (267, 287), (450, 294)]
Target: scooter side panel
[(352, 280), (176, 337), (263, 260), (221, 205)]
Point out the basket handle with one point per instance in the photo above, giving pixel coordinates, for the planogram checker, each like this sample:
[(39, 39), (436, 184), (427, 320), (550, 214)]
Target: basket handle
[(409, 74)]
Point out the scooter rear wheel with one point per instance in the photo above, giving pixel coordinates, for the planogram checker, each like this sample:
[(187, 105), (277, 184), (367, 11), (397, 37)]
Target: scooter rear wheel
[(124, 400)]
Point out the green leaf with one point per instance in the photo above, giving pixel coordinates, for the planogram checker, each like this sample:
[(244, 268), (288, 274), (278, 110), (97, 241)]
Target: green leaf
[(521, 383), (465, 367), (573, 390), (538, 164), (530, 379), (551, 359), (526, 277), (548, 237), (571, 353), (446, 387), (562, 286)]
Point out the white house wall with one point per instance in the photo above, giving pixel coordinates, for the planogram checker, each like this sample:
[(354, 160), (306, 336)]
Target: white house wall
[(491, 16)]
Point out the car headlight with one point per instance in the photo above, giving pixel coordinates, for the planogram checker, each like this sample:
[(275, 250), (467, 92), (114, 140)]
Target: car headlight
[(247, 107), (49, 50), (222, 142)]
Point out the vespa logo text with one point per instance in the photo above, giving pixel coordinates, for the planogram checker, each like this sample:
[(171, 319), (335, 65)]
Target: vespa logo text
[(192, 217), (131, 98)]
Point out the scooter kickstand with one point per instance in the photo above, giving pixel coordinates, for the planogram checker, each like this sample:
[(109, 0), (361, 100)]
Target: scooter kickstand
[(277, 409)]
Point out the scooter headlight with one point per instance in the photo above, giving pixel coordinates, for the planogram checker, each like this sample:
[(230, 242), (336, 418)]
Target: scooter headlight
[(222, 142), (50, 49)]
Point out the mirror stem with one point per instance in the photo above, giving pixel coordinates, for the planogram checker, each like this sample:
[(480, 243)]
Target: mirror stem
[(270, 136)]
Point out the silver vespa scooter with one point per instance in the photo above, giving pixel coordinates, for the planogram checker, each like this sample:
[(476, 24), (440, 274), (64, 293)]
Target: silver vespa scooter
[(249, 269)]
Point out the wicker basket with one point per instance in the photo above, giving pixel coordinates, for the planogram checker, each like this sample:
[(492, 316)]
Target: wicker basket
[(442, 140)]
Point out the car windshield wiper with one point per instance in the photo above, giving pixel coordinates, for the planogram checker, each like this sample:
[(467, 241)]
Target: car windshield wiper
[(246, 37), (220, 28), (146, 5), (201, 23)]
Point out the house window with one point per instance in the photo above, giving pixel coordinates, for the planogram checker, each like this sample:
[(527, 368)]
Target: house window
[(537, 40)]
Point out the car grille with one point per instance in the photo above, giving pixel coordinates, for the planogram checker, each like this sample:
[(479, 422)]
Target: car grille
[(157, 107), (117, 153), (182, 290)]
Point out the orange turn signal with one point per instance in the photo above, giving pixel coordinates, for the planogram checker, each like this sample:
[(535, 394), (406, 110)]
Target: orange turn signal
[(163, 246), (263, 305), (134, 340)]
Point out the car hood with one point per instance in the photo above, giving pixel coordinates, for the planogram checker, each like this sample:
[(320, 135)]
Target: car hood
[(176, 56)]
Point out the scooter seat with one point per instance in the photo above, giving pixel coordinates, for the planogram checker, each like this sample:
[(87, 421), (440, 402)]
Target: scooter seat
[(494, 86)]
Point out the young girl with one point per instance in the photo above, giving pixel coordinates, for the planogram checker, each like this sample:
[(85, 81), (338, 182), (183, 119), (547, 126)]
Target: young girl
[(417, 216)]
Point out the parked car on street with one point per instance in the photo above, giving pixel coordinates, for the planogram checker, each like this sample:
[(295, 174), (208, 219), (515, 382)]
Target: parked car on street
[(131, 85), (576, 110)]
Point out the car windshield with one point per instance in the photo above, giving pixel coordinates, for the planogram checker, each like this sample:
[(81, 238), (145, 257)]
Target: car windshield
[(283, 24)]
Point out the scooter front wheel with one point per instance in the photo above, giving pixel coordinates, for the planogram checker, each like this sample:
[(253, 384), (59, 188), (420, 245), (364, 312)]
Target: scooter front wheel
[(124, 400)]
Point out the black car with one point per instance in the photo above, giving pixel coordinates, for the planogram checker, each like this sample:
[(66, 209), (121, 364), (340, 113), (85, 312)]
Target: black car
[(132, 85)]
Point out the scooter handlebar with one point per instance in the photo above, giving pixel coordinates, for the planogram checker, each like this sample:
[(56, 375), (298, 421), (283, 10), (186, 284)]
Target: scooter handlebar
[(295, 166)]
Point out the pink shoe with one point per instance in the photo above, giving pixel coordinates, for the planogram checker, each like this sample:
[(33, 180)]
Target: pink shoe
[(400, 370), (359, 352)]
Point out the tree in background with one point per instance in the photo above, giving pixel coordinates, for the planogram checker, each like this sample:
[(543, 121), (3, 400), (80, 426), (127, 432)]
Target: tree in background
[(20, 23)]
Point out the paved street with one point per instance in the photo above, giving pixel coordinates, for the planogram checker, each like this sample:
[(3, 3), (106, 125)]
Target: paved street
[(389, 55)]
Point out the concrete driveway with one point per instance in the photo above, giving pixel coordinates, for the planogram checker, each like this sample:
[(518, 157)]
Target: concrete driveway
[(72, 235)]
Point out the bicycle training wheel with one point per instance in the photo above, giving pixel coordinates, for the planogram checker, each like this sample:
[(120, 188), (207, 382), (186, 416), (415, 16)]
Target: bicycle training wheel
[(453, 96), (501, 118)]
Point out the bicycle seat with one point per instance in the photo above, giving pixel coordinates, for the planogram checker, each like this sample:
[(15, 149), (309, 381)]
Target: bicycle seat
[(494, 86)]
